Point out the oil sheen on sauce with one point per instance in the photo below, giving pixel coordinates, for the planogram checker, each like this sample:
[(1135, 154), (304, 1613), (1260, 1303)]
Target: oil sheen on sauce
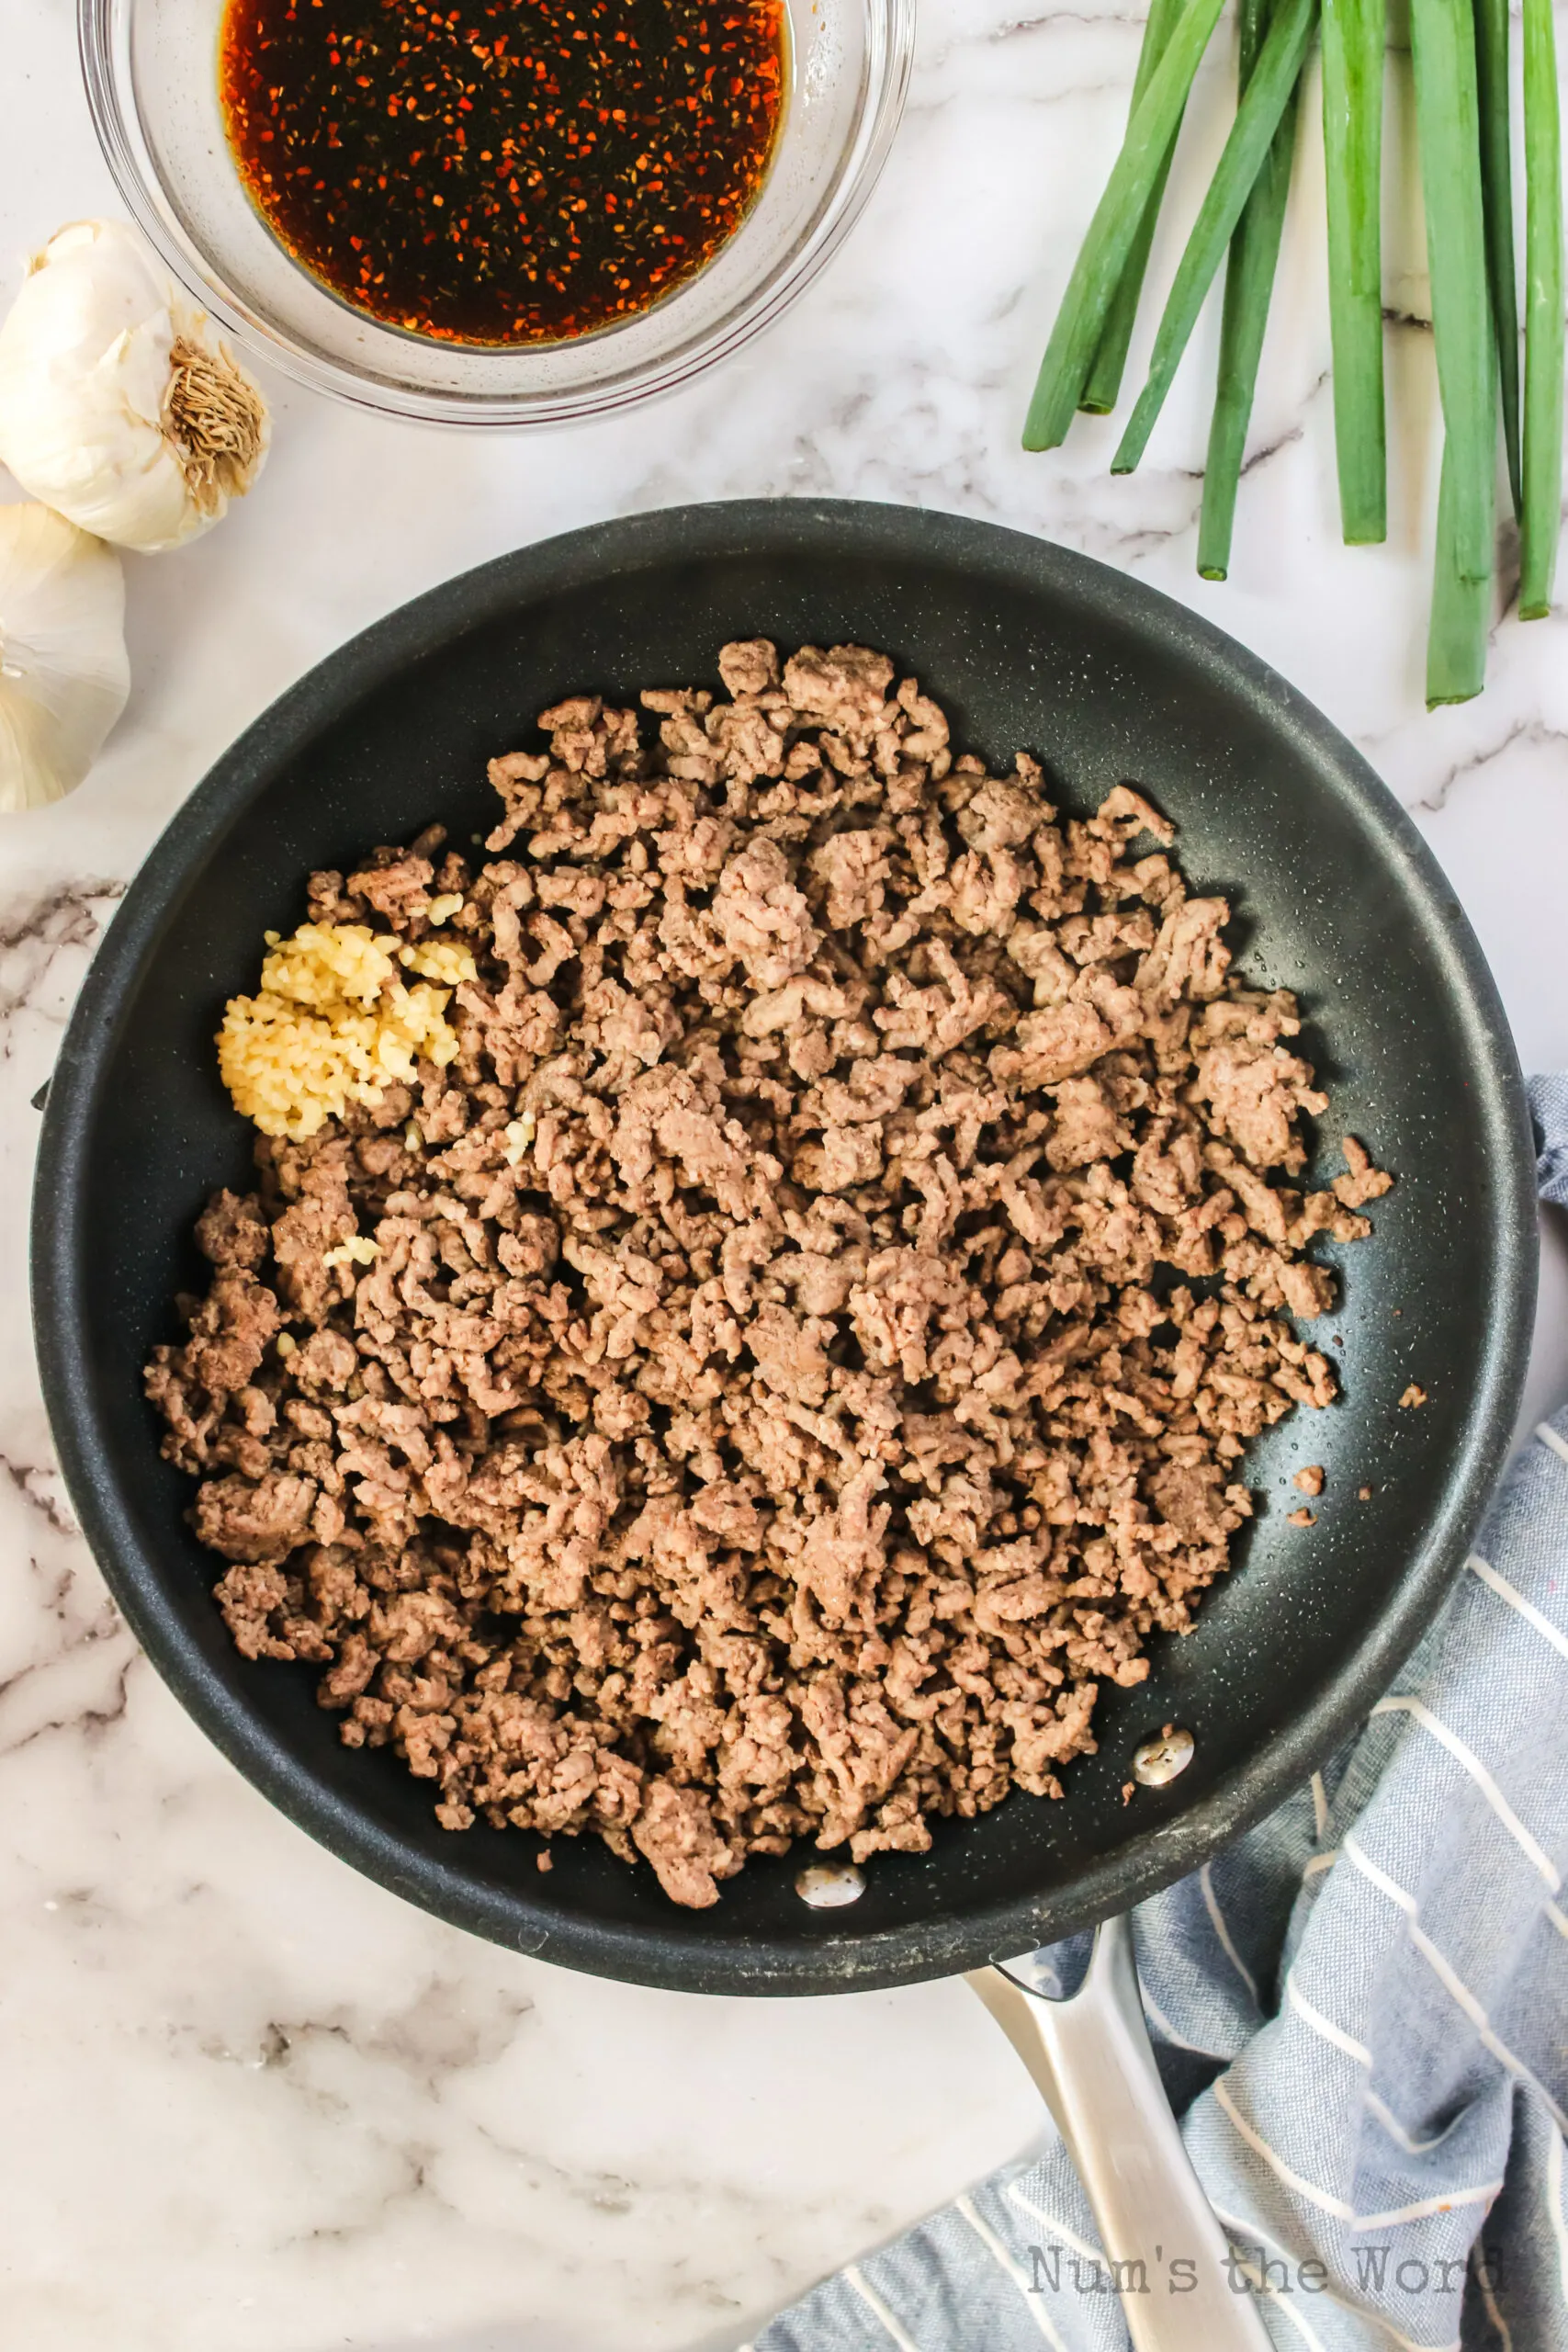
[(503, 171)]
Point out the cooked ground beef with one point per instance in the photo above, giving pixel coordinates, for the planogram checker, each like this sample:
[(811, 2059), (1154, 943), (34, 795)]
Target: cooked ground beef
[(810, 1333)]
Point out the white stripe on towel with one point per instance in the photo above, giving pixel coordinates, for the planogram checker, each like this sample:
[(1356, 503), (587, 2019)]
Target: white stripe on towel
[(1080, 2246), (1510, 1593), (1004, 2261), (1319, 1805), (1483, 1779), (1205, 1880), (1396, 2131), (1484, 2280), (1483, 2195), (854, 2276), (1329, 2203), (1326, 2026), (1254, 2230), (1323, 2198), (1261, 2288), (1156, 2018), (1460, 1992), (1554, 2207)]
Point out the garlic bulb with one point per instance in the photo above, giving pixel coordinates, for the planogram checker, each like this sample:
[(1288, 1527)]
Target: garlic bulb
[(63, 674), (114, 407)]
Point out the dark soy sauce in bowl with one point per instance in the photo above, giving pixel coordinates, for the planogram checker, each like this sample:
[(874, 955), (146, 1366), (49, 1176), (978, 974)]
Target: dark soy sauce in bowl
[(503, 172)]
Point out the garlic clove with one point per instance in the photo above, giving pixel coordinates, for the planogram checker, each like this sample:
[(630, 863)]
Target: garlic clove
[(63, 671), (117, 405)]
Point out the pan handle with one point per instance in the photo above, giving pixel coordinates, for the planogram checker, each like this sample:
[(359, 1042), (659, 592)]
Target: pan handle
[(1181, 2290)]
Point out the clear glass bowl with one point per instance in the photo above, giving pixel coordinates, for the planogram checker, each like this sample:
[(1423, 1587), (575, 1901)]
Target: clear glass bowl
[(150, 68)]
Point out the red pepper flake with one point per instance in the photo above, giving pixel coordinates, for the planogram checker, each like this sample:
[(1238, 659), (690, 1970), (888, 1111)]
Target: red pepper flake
[(614, 221)]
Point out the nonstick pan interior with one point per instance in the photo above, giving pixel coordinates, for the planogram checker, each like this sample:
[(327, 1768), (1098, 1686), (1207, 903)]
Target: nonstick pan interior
[(1027, 646)]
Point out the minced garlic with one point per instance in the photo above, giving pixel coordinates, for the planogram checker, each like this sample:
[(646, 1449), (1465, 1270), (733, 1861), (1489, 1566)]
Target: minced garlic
[(519, 1135), (355, 1251), (335, 1022)]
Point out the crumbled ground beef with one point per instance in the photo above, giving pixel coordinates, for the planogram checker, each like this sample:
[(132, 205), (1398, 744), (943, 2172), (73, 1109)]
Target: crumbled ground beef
[(814, 1327)]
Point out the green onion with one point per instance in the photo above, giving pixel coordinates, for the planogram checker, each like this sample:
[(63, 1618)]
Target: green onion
[(1543, 316), (1497, 201), (1249, 282), (1442, 41), (1102, 260), (1099, 394), (1258, 119), (1462, 606), (1352, 140)]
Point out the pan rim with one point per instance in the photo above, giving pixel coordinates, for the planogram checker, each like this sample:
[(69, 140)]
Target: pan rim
[(669, 1958)]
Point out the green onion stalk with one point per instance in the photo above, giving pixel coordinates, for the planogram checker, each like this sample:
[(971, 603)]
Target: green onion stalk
[(1099, 395), (1249, 285), (1269, 93), (1443, 50), (1114, 231), (1353, 41), (1498, 205), (1542, 464)]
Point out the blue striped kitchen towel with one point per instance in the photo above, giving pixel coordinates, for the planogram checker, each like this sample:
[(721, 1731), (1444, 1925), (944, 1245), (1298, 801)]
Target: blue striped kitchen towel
[(1361, 2007)]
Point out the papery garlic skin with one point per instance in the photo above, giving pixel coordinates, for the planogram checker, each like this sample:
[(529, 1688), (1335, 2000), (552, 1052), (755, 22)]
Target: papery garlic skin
[(63, 671), (117, 406)]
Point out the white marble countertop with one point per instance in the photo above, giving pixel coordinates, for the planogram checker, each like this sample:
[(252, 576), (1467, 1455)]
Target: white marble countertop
[(253, 2104)]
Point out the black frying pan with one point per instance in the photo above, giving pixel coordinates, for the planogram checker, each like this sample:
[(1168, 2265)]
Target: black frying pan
[(1027, 646)]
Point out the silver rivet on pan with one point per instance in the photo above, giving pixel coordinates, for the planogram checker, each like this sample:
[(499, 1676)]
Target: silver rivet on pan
[(827, 1884), (1159, 1761)]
